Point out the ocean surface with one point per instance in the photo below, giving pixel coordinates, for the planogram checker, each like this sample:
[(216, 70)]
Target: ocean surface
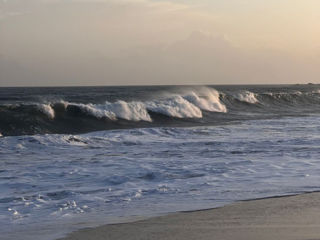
[(85, 156)]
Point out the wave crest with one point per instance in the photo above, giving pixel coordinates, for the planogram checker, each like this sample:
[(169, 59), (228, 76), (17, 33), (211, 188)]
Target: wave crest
[(133, 111), (188, 105), (175, 107), (246, 96), (96, 110), (47, 110), (206, 99)]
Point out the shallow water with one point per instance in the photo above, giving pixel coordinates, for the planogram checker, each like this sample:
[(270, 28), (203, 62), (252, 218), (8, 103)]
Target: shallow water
[(52, 184)]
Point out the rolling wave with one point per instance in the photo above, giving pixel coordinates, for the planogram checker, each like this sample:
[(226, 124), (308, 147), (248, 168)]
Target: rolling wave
[(246, 96), (196, 106)]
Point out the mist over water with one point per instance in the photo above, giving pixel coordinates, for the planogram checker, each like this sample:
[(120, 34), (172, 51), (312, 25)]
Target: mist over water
[(78, 157)]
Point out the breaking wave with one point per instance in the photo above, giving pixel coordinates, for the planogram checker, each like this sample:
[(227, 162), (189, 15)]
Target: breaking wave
[(131, 111), (47, 110), (177, 107), (192, 106), (246, 96), (188, 105), (209, 100)]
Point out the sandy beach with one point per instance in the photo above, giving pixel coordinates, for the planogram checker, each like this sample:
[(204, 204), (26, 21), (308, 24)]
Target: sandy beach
[(292, 217)]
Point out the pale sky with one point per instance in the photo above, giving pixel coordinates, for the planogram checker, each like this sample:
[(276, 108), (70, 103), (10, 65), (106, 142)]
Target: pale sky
[(129, 42)]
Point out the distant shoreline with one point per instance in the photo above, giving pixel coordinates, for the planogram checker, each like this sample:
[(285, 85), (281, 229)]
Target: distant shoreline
[(287, 217)]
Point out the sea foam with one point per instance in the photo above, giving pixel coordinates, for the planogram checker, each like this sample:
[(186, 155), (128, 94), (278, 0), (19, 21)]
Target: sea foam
[(64, 182), (246, 96), (206, 99), (47, 110), (175, 106)]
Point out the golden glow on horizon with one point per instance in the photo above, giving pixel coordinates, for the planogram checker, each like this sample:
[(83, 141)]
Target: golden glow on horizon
[(115, 39)]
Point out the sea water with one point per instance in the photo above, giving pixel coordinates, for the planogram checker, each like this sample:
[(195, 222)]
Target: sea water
[(78, 157)]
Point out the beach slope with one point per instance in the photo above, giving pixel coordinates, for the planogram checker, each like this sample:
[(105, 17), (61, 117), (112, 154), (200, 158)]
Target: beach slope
[(293, 217)]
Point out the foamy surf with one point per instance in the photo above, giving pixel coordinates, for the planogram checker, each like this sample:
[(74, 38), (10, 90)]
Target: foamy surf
[(64, 182)]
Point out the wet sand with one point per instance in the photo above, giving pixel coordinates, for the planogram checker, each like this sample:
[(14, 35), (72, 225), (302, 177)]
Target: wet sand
[(294, 217)]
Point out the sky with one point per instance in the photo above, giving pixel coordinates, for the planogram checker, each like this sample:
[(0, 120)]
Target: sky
[(155, 42)]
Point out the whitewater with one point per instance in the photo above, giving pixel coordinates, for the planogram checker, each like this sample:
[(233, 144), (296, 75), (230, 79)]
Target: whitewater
[(80, 157)]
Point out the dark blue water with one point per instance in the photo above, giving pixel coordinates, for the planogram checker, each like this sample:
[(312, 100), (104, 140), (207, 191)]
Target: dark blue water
[(85, 109)]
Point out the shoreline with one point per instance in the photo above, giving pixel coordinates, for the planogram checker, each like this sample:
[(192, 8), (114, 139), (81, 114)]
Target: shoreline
[(279, 217)]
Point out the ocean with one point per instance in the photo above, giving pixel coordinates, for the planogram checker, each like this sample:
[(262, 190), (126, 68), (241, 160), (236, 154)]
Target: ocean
[(75, 157)]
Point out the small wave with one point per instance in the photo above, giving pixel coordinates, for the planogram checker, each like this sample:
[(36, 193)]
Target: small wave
[(297, 93), (246, 96), (47, 110), (279, 95)]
